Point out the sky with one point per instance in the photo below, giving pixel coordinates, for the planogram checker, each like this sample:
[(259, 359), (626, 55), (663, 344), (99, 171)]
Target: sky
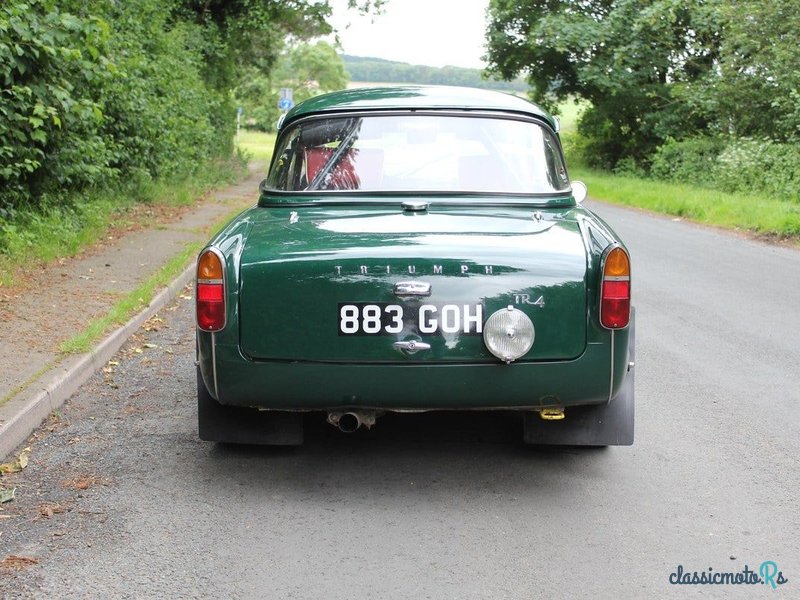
[(421, 32)]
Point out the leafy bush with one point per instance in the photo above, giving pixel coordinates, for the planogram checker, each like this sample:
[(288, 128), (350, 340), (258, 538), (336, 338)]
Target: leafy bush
[(50, 119), (731, 164), (688, 161), (159, 112), (761, 165), (110, 91), (628, 167)]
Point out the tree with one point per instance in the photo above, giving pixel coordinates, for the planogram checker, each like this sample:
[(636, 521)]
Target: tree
[(308, 69), (313, 66), (363, 68), (251, 33), (104, 93), (755, 90), (630, 58)]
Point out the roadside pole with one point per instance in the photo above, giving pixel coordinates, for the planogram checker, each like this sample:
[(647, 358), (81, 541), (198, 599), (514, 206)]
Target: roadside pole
[(285, 102)]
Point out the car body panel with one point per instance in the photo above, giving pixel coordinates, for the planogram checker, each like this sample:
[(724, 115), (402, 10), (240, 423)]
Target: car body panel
[(311, 260), (291, 384), (592, 378)]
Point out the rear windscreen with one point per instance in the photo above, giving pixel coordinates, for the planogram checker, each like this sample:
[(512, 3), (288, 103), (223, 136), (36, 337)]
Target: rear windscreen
[(415, 152)]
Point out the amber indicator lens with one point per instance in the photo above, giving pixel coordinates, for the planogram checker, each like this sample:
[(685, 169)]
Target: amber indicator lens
[(209, 266), (617, 264)]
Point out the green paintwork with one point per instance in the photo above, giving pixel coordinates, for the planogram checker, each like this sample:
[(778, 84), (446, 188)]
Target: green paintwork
[(290, 264), (569, 363), (334, 255), (416, 97), (318, 386)]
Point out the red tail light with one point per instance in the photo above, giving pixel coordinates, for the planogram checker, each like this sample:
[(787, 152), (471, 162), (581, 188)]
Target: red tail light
[(210, 293), (615, 292)]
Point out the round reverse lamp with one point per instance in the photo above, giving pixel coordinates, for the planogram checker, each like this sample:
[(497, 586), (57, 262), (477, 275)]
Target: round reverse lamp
[(508, 334)]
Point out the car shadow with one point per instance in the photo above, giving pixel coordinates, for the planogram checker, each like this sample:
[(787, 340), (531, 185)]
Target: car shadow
[(405, 454)]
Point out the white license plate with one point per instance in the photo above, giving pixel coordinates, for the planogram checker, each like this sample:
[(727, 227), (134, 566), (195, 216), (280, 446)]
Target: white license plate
[(364, 318)]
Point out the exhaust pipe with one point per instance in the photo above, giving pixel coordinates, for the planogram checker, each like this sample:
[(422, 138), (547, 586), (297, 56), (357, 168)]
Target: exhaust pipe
[(350, 421)]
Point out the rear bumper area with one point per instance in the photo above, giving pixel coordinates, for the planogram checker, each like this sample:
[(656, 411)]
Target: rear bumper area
[(286, 385)]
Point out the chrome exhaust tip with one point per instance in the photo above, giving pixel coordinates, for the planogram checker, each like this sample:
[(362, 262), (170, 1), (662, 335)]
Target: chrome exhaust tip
[(351, 421)]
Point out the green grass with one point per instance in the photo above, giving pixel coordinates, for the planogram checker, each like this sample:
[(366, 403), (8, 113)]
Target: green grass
[(36, 236), (24, 384), (257, 145), (760, 214)]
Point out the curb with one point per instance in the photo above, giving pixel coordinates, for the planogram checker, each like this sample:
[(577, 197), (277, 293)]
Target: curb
[(21, 415)]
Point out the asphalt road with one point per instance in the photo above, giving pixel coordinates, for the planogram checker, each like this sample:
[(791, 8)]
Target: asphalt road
[(122, 501)]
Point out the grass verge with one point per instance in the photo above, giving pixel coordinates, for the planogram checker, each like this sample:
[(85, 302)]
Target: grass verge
[(764, 215), (44, 234), (125, 308), (132, 303)]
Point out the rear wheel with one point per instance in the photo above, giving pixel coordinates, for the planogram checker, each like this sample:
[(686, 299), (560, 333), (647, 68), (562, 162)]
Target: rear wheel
[(237, 425), (608, 424)]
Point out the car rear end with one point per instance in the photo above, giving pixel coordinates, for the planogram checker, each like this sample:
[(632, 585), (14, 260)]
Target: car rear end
[(367, 282)]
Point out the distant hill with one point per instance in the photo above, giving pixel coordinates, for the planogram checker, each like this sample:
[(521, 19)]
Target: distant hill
[(363, 68)]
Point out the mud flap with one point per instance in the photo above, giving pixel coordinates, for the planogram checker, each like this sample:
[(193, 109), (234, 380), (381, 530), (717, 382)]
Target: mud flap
[(598, 425), (236, 425)]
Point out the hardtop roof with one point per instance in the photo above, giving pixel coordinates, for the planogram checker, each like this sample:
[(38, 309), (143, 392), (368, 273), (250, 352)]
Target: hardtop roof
[(415, 97)]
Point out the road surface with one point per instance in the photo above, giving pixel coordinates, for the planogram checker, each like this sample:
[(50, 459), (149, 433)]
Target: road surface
[(121, 500)]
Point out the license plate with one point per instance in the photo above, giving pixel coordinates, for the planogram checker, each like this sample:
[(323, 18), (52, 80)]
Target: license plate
[(365, 318)]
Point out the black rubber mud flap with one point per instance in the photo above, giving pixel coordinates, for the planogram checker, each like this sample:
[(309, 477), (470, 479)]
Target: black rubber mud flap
[(599, 425), (236, 425)]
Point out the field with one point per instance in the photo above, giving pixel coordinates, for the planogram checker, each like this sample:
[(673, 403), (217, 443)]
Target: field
[(256, 145)]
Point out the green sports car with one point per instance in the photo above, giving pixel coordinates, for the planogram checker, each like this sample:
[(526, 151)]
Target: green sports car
[(416, 249)]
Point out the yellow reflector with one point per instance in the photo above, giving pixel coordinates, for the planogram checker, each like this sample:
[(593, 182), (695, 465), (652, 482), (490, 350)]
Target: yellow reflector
[(209, 266), (552, 414), (617, 264)]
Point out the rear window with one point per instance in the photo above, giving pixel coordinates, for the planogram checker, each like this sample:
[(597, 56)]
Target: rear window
[(418, 153)]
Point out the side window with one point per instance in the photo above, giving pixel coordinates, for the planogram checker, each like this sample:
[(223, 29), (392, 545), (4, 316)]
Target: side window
[(556, 171), (284, 172)]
